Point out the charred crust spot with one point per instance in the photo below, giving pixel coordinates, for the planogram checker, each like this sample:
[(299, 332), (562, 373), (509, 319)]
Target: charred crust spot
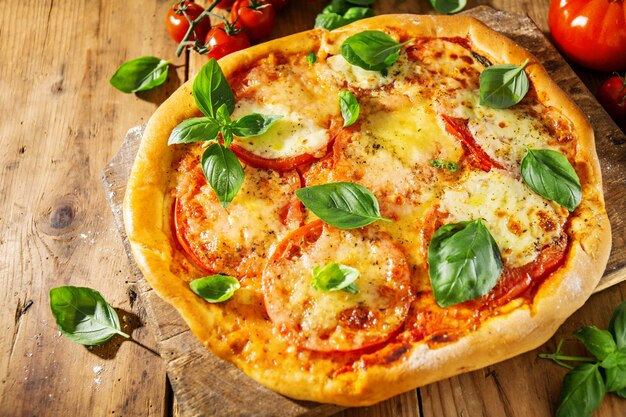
[(397, 353)]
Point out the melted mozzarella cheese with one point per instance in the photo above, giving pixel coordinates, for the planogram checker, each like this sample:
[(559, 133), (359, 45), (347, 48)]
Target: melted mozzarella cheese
[(521, 221)]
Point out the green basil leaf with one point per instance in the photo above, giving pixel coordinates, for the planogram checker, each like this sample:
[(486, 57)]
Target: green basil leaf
[(582, 391), (330, 21), (140, 74), (338, 6), (617, 325), (362, 2), (598, 342), (345, 205), (549, 174), (311, 58), (211, 90), (197, 129), (464, 262), (215, 288), (621, 393), (223, 172), (83, 315), (615, 371), (446, 165), (448, 6), (357, 13), (254, 124), (335, 277), (222, 115), (371, 50), (350, 108), (504, 85)]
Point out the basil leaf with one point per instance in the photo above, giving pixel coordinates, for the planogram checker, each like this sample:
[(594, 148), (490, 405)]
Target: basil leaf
[(357, 13), (549, 174), (337, 6), (335, 277), (621, 393), (329, 21), (362, 2), (371, 49), (223, 172), (311, 58), (197, 129), (335, 17), (211, 90), (598, 342), (464, 262), (215, 288), (617, 325), (448, 6), (140, 74), (350, 108), (615, 370), (504, 85), (582, 391), (83, 315), (446, 165), (345, 205), (254, 124)]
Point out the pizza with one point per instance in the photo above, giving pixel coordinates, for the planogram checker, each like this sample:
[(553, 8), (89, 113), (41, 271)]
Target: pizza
[(348, 215)]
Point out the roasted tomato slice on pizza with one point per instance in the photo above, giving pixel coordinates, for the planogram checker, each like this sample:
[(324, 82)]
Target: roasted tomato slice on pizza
[(390, 203)]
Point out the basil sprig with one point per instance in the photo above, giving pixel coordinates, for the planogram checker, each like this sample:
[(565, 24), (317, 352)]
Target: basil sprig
[(350, 108), (140, 74), (335, 277), (345, 205), (216, 101), (464, 262), (83, 315), (549, 174), (448, 6), (371, 50), (341, 13), (215, 288), (504, 85), (585, 385)]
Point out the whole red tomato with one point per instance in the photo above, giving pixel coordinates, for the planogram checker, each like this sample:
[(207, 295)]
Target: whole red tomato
[(612, 96), (256, 17), (590, 32), (223, 40), (224, 4), (177, 24)]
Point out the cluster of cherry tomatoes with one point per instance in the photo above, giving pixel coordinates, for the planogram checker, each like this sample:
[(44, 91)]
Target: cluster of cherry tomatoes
[(250, 21)]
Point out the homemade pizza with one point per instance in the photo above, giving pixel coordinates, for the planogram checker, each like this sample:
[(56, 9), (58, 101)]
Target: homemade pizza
[(352, 214)]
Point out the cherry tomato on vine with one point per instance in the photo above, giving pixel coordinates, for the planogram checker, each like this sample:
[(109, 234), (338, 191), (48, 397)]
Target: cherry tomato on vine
[(278, 4), (256, 17), (177, 24), (590, 32), (223, 40), (612, 96), (225, 4)]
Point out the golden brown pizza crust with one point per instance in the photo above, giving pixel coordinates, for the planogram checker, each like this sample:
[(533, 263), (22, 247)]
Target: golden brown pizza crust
[(147, 209)]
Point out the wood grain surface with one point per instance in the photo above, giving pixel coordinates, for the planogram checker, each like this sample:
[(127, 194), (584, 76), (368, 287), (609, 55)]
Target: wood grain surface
[(62, 123)]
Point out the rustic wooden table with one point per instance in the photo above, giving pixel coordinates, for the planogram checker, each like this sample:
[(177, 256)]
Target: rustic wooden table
[(61, 122)]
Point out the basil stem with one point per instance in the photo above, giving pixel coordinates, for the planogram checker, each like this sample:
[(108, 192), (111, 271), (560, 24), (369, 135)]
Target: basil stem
[(504, 85), (335, 277), (464, 262), (350, 108), (83, 315), (140, 74), (223, 172), (215, 288)]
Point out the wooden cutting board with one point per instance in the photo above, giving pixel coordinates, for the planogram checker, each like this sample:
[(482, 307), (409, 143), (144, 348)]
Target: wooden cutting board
[(206, 385)]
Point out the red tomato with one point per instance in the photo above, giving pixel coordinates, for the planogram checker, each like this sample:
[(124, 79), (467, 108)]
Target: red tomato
[(224, 4), (222, 41), (256, 17), (590, 32), (612, 96), (278, 4), (177, 24)]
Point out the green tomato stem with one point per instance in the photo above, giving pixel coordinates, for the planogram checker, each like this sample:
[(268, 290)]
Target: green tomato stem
[(193, 25)]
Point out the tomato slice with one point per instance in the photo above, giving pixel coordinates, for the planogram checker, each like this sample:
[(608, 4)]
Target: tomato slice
[(479, 158), (278, 164), (331, 321)]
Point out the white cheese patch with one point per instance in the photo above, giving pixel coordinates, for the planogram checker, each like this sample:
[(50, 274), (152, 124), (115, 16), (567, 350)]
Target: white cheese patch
[(521, 221)]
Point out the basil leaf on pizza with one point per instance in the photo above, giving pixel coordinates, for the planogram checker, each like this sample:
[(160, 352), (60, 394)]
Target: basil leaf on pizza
[(582, 391), (349, 108), (211, 90), (215, 288), (503, 85), (311, 58), (549, 174), (140, 74), (617, 325), (253, 124), (371, 50), (448, 6), (223, 172), (197, 129), (598, 342), (345, 205), (449, 166), (464, 262), (84, 316), (335, 277)]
